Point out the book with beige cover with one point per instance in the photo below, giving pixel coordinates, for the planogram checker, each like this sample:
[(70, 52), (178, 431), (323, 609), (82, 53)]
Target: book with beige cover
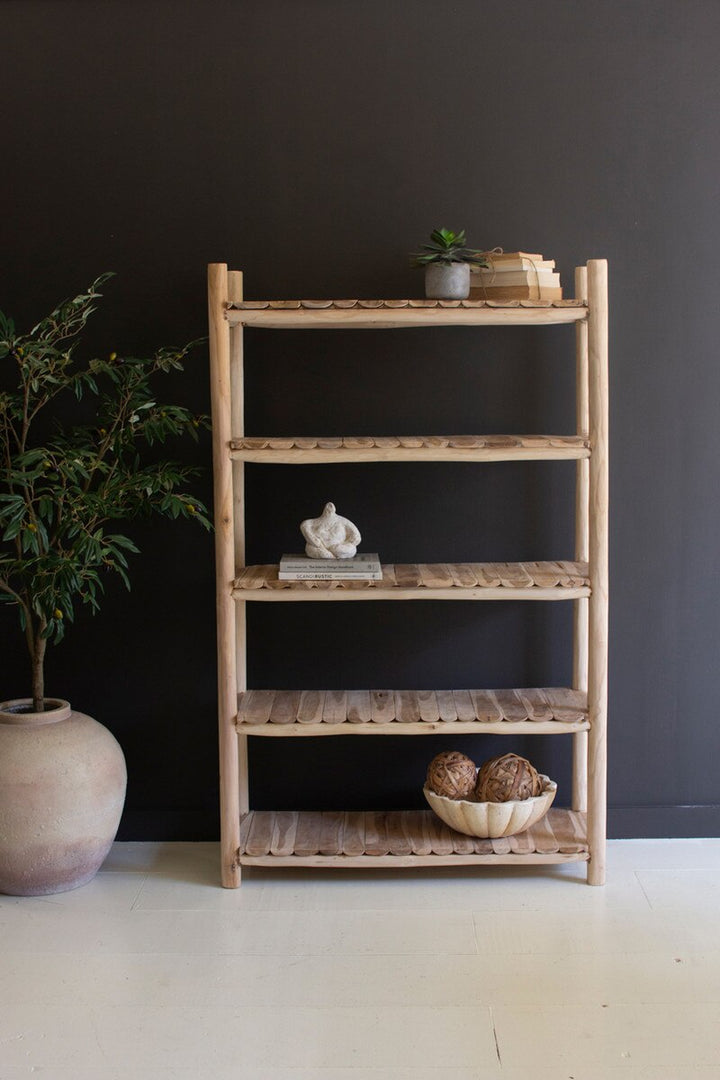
[(516, 275)]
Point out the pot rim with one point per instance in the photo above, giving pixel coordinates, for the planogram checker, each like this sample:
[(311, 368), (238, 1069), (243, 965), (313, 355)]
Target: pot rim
[(15, 712)]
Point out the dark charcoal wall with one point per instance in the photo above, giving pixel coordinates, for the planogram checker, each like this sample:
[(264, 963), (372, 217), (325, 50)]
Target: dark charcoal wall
[(314, 145)]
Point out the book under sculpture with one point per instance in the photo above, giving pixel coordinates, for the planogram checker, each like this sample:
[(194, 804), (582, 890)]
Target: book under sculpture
[(362, 567)]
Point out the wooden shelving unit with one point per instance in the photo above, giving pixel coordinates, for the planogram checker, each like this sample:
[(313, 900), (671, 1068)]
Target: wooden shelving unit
[(412, 838)]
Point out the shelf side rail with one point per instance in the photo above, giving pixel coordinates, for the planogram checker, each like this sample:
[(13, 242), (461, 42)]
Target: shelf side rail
[(223, 497), (582, 527), (598, 567), (237, 420)]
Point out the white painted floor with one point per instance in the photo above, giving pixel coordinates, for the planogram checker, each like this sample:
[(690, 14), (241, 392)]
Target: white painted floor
[(153, 971)]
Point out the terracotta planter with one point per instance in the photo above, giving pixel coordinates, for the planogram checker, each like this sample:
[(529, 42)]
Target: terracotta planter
[(62, 790), (447, 281)]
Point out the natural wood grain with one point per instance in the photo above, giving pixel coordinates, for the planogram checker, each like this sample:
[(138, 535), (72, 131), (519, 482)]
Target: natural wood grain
[(285, 707), (398, 862), (398, 835), (299, 450), (598, 566), (343, 305), (439, 581), (446, 706), (570, 830), (337, 838), (582, 530), (311, 707), (359, 709), (407, 576), (521, 844), (245, 822), (231, 763), (335, 707), (353, 842), (463, 575), (543, 838), (428, 706), (283, 833), (514, 708), (441, 837), (536, 704), (331, 833), (407, 707), (237, 425), (501, 845), (376, 835), (260, 835), (382, 706), (315, 712), (487, 708), (436, 576), (462, 844), (307, 836), (463, 706), (369, 314), (257, 706)]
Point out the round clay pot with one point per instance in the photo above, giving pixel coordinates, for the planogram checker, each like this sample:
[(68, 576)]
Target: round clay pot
[(447, 281), (62, 789)]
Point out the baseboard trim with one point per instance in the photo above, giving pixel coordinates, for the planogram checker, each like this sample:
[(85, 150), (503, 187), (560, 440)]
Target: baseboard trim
[(658, 822)]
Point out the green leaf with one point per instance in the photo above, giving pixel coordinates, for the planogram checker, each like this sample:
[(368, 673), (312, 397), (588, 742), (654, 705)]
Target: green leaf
[(59, 494)]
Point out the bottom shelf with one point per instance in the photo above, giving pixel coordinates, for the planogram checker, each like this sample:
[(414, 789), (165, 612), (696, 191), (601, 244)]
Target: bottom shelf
[(337, 838)]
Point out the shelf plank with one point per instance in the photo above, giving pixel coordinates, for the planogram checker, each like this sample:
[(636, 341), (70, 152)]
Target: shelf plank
[(336, 838), (353, 842), (283, 834), (319, 450), (536, 710), (359, 708), (371, 314), (426, 581), (331, 833)]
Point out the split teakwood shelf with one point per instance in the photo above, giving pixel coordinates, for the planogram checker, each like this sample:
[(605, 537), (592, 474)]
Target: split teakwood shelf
[(412, 838)]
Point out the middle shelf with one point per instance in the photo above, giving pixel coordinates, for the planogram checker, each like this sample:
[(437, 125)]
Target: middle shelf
[(428, 581), (530, 710)]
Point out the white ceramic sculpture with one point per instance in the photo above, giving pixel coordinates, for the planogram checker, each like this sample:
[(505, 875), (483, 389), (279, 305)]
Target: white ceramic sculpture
[(330, 536)]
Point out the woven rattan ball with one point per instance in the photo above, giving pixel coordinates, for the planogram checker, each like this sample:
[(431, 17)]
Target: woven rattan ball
[(452, 774), (502, 779)]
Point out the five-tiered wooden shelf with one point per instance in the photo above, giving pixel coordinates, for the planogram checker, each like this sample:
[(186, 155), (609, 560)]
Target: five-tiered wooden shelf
[(413, 837)]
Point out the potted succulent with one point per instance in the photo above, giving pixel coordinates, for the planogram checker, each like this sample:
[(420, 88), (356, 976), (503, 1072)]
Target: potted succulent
[(447, 264), (64, 487)]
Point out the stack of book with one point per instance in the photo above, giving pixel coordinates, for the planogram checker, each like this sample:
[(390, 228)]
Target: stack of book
[(359, 568), (515, 275)]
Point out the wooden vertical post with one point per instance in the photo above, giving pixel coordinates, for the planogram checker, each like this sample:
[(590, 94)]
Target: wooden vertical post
[(598, 561), (220, 397), (582, 527), (237, 419)]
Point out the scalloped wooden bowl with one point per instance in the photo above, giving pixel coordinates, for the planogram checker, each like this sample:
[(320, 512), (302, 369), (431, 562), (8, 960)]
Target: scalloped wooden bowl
[(487, 819)]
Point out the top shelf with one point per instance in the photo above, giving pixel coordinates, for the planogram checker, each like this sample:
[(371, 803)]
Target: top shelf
[(378, 314)]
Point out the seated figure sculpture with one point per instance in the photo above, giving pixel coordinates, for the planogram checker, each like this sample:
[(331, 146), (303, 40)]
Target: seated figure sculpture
[(330, 536)]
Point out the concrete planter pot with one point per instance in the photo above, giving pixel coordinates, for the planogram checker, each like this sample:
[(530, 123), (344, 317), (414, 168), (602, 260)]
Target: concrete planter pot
[(62, 791), (447, 281)]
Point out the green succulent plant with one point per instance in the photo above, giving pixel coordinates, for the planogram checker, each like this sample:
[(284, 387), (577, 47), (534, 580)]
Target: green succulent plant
[(62, 485), (447, 246)]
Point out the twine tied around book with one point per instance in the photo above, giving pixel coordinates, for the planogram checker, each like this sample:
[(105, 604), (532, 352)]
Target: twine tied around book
[(488, 257)]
